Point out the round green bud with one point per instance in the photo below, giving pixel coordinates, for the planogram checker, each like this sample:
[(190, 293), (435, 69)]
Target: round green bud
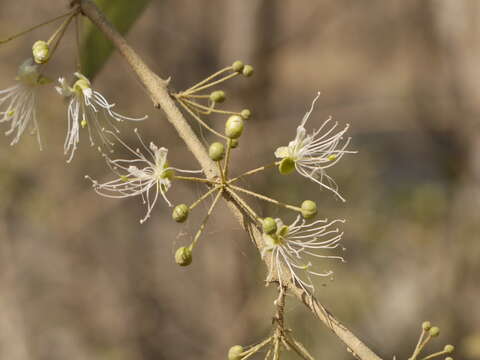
[(449, 348), (286, 166), (247, 70), (246, 113), (216, 151), (269, 225), (434, 331), (235, 352), (183, 256), (218, 96), (233, 143), (237, 66), (180, 213), (426, 325), (309, 209), (40, 52), (234, 127), (448, 358)]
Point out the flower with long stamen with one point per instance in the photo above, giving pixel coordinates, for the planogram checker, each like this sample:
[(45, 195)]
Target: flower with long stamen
[(292, 247), (146, 175), (84, 107), (18, 103), (310, 155)]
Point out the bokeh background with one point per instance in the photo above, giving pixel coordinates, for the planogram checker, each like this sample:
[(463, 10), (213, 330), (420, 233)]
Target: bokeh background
[(80, 278)]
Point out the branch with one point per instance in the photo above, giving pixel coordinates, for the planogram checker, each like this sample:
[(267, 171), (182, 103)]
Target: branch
[(157, 89)]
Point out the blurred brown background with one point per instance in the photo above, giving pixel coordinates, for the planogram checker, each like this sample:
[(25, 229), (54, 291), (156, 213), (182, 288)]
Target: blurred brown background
[(80, 278)]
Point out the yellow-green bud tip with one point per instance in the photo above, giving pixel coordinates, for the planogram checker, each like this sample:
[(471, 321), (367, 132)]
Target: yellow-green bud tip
[(233, 143), (237, 66), (40, 52), (286, 166), (247, 70), (180, 213), (216, 151), (234, 353), (448, 358), (426, 325), (218, 96), (309, 209), (234, 127), (449, 348), (246, 113), (269, 225), (434, 331), (183, 256)]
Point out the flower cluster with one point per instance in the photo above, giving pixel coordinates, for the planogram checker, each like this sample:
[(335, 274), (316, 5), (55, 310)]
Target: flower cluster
[(147, 174), (87, 108)]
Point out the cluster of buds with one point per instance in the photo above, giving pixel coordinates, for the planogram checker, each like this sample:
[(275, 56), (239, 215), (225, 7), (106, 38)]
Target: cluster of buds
[(291, 248), (198, 102), (428, 333), (280, 339)]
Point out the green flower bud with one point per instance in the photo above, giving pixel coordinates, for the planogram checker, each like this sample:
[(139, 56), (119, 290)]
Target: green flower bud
[(234, 353), (40, 52), (234, 127), (247, 70), (269, 225), (286, 166), (434, 331), (246, 113), (216, 151), (180, 213), (237, 66), (309, 209), (426, 325), (183, 256), (448, 358), (449, 348), (233, 143), (218, 96)]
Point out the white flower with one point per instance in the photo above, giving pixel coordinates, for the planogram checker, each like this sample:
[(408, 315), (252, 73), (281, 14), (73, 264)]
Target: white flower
[(83, 109), (148, 176), (312, 154), (290, 245), (18, 103)]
